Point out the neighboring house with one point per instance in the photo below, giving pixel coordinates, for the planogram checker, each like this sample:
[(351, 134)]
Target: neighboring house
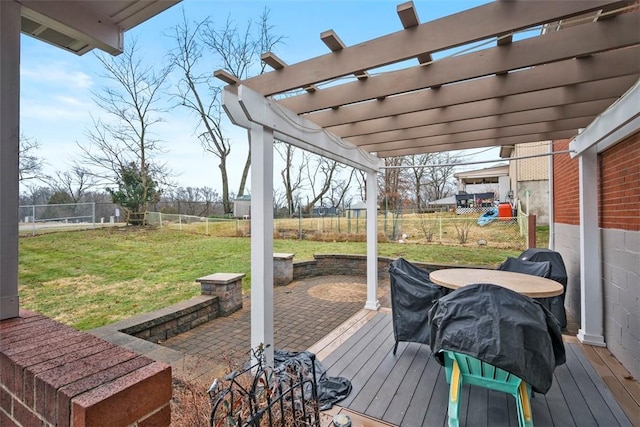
[(357, 210), (488, 180), (479, 189), (529, 177), (596, 197)]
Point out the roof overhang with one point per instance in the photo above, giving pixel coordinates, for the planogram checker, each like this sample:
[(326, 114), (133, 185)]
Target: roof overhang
[(499, 88), (80, 26)]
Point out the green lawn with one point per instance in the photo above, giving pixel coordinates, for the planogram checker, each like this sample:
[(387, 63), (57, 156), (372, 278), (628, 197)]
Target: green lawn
[(91, 278)]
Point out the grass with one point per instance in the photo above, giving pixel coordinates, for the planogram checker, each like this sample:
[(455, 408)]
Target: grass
[(90, 278)]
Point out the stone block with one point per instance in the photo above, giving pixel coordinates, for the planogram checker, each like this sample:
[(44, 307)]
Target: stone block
[(227, 287), (282, 269)]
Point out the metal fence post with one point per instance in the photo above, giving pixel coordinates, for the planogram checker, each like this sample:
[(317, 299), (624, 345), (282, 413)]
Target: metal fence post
[(531, 235)]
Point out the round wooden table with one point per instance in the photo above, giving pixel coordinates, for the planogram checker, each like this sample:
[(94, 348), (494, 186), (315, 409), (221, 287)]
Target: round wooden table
[(525, 284)]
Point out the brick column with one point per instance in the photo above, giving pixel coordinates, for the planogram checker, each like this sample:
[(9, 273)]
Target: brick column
[(227, 287), (282, 269)]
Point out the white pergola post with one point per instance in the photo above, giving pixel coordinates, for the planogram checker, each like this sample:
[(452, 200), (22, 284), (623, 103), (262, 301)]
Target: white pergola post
[(372, 241), (9, 152), (261, 139), (591, 293)]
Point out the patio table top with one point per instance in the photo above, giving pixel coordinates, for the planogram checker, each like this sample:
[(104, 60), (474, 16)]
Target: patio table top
[(525, 284)]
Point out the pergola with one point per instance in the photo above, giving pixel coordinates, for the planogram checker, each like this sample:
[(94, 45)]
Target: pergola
[(491, 86), (75, 26)]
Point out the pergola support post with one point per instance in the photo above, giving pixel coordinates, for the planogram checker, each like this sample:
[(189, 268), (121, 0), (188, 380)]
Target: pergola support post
[(9, 156), (372, 242), (261, 139), (591, 292)]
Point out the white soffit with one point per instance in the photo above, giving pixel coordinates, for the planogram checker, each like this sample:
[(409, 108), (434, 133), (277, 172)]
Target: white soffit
[(616, 123), (80, 26)]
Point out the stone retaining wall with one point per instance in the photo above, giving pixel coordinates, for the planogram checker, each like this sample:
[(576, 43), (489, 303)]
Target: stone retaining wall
[(353, 265), (165, 323)]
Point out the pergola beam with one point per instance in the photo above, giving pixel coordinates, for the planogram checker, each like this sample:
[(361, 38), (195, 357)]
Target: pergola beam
[(557, 46), (272, 60), (587, 110), (556, 97), (510, 131), (559, 74), (480, 23), (244, 106), (335, 44), (494, 142), (409, 19)]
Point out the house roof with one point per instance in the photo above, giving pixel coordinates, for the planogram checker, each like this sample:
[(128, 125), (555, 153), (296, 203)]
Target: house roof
[(498, 170), (80, 26), (500, 88)]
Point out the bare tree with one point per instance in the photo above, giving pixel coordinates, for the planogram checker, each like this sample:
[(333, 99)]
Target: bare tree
[(238, 52), (439, 176), (122, 145), (30, 166), (393, 183), (292, 175), (320, 174), (340, 189), (74, 182)]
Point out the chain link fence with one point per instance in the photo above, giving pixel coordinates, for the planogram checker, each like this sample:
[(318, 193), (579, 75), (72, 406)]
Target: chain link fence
[(434, 228), (37, 219)]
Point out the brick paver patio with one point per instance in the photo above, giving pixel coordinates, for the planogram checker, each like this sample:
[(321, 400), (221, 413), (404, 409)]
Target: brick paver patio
[(304, 312)]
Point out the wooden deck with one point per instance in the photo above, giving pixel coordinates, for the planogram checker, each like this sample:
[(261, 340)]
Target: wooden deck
[(409, 389)]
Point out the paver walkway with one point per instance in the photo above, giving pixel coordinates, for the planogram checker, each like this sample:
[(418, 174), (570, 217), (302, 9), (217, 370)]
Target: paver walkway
[(304, 312)]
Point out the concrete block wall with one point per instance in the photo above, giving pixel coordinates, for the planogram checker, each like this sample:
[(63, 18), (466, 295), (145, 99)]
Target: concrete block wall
[(567, 242), (53, 375), (621, 279)]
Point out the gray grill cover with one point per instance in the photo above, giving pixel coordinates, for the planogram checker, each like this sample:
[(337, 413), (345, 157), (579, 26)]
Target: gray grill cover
[(500, 327), (558, 272), (412, 295)]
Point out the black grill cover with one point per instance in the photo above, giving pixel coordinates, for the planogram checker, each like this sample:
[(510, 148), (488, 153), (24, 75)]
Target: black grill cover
[(558, 273), (541, 269), (412, 295), (500, 327)]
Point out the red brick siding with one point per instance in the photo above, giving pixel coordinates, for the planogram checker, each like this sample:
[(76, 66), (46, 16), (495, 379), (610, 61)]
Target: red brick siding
[(566, 194), (619, 173), (73, 379)]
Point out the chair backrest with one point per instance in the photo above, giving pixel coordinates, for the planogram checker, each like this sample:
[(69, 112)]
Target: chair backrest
[(482, 374), (535, 268)]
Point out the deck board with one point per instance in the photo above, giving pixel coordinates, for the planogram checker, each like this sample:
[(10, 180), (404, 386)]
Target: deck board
[(410, 389)]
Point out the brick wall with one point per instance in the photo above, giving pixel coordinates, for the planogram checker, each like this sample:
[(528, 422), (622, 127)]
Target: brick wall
[(566, 194), (53, 375), (619, 169)]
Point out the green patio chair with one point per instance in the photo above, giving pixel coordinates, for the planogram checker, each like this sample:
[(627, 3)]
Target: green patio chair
[(463, 369)]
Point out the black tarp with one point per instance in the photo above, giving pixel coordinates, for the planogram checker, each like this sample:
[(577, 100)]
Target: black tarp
[(557, 272), (330, 389), (501, 327), (412, 295)]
